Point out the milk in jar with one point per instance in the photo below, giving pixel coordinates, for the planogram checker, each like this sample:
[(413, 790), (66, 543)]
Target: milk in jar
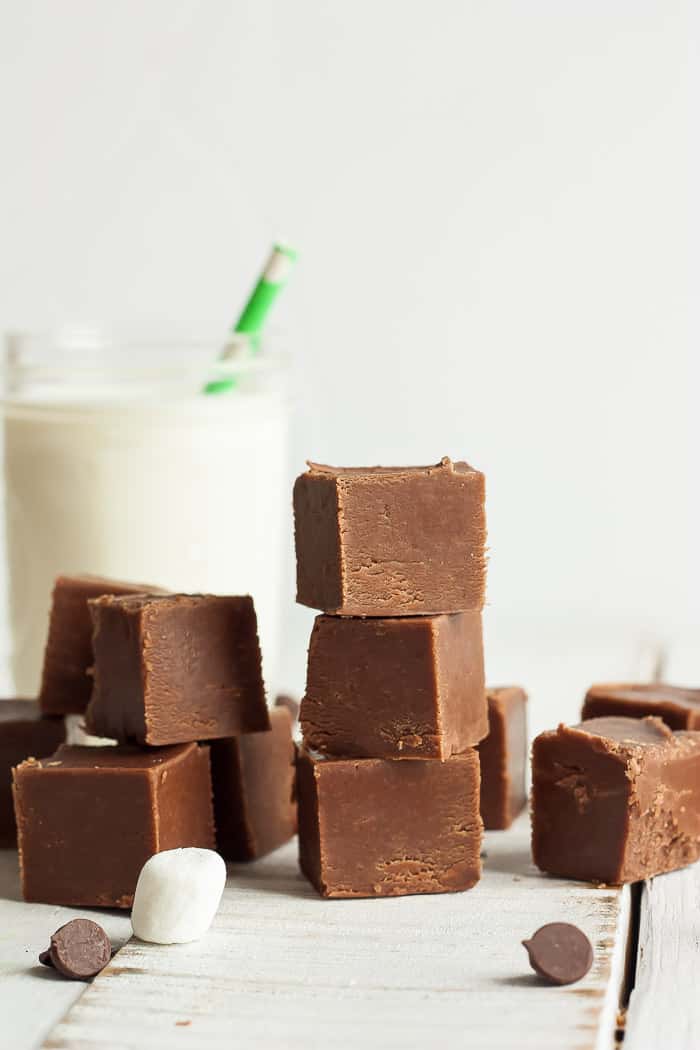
[(116, 464)]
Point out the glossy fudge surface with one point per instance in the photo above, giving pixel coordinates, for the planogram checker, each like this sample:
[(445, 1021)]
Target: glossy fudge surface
[(66, 683), (503, 758), (254, 797), (383, 828), (23, 734), (175, 668), (390, 541), (410, 687), (89, 818), (615, 800), (679, 708)]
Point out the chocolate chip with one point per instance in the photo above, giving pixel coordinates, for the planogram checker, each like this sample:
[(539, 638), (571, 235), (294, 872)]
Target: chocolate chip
[(290, 703), (560, 953), (78, 950)]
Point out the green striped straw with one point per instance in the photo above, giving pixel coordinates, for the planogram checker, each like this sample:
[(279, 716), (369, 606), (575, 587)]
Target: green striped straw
[(252, 320)]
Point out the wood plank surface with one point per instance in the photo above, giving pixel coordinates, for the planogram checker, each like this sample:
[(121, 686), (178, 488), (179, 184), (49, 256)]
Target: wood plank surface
[(664, 1008), (282, 968), (33, 997)]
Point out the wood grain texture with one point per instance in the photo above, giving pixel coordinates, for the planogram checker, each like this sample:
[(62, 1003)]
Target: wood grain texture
[(664, 1009), (33, 997), (283, 969)]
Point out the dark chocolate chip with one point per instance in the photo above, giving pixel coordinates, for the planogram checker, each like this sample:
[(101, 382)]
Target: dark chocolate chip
[(79, 950), (290, 703), (560, 953), (45, 958)]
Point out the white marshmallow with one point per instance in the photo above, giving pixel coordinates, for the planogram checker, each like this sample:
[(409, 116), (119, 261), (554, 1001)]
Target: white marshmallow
[(76, 734), (177, 895)]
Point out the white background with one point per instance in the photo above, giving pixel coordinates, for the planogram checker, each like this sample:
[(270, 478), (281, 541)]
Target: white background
[(492, 204)]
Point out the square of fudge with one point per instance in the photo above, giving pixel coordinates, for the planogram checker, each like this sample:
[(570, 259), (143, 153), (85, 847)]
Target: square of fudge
[(89, 818), (373, 827), (253, 779), (175, 668), (679, 708), (65, 682), (503, 758), (395, 687), (23, 734), (390, 541), (615, 800)]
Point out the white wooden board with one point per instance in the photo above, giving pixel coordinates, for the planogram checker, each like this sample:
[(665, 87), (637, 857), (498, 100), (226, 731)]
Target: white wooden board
[(664, 1010), (285, 969), (32, 997)]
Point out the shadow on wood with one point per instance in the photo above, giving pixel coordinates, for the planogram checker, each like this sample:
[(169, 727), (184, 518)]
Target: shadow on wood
[(9, 875)]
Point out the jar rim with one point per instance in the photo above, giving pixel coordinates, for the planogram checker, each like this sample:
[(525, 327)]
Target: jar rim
[(130, 352)]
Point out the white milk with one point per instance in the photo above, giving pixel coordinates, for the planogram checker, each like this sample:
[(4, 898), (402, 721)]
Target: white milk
[(144, 483)]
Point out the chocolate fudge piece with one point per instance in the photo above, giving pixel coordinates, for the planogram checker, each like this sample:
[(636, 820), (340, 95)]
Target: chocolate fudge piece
[(254, 799), (615, 800), (678, 708), (175, 668), (89, 818), (290, 703), (23, 733), (503, 757), (373, 827), (396, 687), (65, 683), (390, 541)]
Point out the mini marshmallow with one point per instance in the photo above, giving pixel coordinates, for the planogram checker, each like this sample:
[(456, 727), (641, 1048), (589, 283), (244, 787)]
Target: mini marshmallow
[(76, 734), (177, 895)]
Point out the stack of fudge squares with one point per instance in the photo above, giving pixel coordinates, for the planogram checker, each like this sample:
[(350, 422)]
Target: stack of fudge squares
[(388, 777), (196, 759)]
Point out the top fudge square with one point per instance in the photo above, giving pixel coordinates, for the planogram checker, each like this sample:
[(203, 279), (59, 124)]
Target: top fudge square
[(175, 668), (390, 541), (65, 682)]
